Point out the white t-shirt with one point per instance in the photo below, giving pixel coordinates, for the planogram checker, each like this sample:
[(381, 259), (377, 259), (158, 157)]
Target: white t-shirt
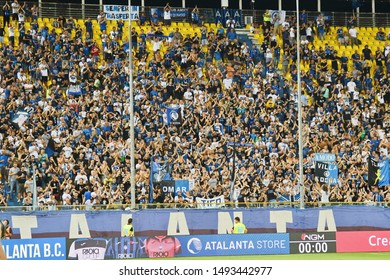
[(67, 151), (324, 196), (292, 33), (227, 83), (353, 32), (15, 7), (231, 23), (351, 86), (167, 14), (44, 71), (11, 32), (156, 45), (387, 49), (21, 17), (308, 31), (65, 196), (188, 95)]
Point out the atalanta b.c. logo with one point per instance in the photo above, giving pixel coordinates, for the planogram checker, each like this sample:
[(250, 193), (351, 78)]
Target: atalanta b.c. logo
[(194, 246), (174, 116)]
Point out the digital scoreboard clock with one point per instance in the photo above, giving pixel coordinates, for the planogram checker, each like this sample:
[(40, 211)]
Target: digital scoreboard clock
[(312, 242)]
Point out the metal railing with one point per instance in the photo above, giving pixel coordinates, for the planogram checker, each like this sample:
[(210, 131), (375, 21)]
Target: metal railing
[(226, 205), (334, 18), (79, 11)]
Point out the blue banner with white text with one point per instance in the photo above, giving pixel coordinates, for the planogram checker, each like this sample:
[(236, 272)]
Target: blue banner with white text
[(35, 249), (235, 244)]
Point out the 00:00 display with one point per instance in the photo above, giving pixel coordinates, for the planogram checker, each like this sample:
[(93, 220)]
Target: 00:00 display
[(318, 247)]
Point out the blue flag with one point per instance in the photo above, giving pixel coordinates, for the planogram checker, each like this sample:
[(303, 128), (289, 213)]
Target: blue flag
[(384, 178), (174, 115), (158, 172)]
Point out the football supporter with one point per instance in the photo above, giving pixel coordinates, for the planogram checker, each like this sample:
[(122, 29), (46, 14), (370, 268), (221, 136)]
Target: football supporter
[(64, 102)]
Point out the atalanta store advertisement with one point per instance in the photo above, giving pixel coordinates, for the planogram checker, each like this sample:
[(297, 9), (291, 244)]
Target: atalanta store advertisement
[(171, 246)]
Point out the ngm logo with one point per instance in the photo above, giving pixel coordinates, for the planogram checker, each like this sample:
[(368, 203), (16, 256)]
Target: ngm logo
[(312, 237), (194, 246)]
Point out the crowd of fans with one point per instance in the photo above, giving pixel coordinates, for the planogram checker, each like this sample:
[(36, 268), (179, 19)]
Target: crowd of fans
[(64, 106)]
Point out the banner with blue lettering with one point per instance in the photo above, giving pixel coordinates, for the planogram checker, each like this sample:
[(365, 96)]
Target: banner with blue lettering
[(210, 203), (35, 249), (174, 115), (116, 12), (235, 244)]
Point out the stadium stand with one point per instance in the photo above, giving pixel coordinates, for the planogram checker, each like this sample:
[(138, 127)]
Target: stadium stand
[(65, 111)]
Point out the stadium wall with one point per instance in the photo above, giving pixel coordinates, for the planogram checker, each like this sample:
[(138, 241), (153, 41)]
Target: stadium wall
[(174, 222)]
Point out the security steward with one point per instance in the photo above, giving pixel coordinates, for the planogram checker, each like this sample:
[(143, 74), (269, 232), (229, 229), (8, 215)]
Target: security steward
[(128, 229), (238, 228)]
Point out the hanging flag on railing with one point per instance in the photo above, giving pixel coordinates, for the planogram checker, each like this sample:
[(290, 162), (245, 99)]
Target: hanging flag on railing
[(378, 173)]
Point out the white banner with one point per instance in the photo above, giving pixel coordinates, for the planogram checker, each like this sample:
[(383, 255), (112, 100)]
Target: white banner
[(210, 203), (275, 14), (115, 12)]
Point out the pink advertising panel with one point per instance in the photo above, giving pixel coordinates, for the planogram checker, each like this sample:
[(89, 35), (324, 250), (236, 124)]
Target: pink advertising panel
[(363, 241)]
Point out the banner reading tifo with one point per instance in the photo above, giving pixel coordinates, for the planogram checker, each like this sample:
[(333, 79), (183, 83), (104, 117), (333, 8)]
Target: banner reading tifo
[(210, 203)]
